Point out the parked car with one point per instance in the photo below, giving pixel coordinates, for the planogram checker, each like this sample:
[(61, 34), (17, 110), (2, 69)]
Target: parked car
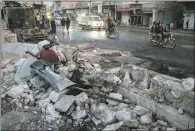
[(91, 22)]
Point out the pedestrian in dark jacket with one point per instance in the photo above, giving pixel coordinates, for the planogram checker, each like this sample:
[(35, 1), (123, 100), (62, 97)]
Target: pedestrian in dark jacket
[(63, 23), (67, 24), (53, 26)]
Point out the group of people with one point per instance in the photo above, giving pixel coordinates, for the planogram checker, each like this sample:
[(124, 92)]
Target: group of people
[(65, 23), (161, 31)]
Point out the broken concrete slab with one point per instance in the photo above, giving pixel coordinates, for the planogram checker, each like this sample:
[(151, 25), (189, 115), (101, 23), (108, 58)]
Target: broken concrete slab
[(162, 123), (64, 103), (51, 110), (146, 119), (122, 106), (116, 96), (78, 114), (81, 98), (188, 84), (5, 62), (107, 117), (127, 80), (42, 43), (140, 110), (124, 115), (43, 104), (162, 111), (131, 123), (17, 91), (8, 69), (113, 127), (55, 96), (96, 121)]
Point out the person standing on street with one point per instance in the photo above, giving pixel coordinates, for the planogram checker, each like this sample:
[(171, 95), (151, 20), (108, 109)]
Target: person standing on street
[(129, 21), (67, 24), (187, 24), (63, 23), (53, 27), (38, 18)]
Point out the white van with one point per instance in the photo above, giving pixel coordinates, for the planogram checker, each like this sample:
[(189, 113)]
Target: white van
[(91, 22)]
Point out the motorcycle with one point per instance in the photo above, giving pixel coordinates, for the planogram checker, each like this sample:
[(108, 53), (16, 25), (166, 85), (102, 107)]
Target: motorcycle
[(167, 40), (113, 32)]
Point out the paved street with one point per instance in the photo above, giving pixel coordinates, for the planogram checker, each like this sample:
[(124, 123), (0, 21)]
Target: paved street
[(182, 56)]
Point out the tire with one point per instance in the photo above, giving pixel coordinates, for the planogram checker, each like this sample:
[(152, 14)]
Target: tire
[(116, 34), (171, 43)]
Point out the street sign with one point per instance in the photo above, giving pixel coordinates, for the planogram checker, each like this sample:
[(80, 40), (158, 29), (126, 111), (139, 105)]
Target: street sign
[(99, 9)]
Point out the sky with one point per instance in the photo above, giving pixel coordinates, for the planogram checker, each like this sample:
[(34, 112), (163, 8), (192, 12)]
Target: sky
[(48, 3)]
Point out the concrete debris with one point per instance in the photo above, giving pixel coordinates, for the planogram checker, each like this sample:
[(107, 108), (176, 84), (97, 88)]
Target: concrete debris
[(124, 115), (96, 121), (175, 94), (43, 103), (55, 96), (64, 103), (51, 111), (140, 110), (122, 106), (16, 91), (49, 118), (171, 129), (8, 69), (113, 127), (107, 117), (127, 80), (132, 123), (146, 119), (69, 121), (42, 43), (161, 123), (78, 114), (102, 107), (188, 84), (81, 98), (116, 96), (37, 82), (156, 129), (137, 75), (5, 62), (180, 111)]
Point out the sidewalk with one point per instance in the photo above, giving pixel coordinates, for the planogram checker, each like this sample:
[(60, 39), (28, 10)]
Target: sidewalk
[(180, 31)]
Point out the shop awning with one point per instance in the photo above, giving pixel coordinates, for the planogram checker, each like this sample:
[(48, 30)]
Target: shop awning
[(124, 9)]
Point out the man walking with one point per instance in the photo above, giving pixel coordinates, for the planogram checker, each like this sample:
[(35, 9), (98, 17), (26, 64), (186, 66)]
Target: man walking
[(187, 24), (67, 24), (63, 22)]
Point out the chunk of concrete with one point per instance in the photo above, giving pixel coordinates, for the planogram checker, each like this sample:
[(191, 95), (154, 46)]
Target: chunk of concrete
[(8, 69), (64, 103), (107, 117), (55, 96), (96, 121), (122, 106), (16, 91), (127, 80), (176, 94), (171, 129), (113, 127), (81, 98), (180, 111), (51, 110), (146, 119), (42, 43), (116, 96), (37, 82), (43, 103), (188, 84), (124, 115), (78, 114), (102, 107), (162, 123), (140, 110), (137, 75), (131, 123), (5, 62), (49, 118)]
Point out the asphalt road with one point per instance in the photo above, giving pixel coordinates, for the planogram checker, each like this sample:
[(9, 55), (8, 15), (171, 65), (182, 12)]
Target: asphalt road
[(137, 42)]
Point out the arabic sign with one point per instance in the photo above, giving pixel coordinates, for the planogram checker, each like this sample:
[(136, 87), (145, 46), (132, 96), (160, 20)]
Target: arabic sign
[(124, 9)]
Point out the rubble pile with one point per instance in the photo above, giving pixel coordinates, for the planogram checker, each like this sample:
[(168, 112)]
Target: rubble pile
[(74, 110)]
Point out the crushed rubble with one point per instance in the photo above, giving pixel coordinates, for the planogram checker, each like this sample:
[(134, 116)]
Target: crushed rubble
[(71, 109)]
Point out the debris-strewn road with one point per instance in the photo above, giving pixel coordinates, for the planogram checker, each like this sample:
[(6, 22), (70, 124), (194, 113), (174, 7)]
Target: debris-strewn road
[(182, 56)]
